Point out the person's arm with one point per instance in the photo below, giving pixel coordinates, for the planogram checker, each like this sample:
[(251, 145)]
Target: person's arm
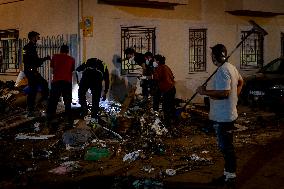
[(240, 85), (81, 67), (143, 65), (214, 94)]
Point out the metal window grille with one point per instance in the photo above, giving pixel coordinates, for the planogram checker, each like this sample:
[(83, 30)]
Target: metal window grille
[(9, 53), (282, 44), (252, 51), (141, 39), (197, 50)]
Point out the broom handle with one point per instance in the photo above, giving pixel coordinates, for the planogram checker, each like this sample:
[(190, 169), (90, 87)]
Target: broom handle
[(193, 96), (239, 44)]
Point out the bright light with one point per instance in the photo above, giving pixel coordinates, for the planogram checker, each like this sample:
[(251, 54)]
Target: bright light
[(75, 98)]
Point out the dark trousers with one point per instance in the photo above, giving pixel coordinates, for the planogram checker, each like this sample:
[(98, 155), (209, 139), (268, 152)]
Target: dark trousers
[(96, 95), (156, 99), (168, 105), (225, 143), (64, 89), (35, 80), (146, 85)]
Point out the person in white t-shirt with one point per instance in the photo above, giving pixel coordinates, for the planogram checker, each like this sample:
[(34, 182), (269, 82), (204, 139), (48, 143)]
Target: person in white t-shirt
[(226, 85)]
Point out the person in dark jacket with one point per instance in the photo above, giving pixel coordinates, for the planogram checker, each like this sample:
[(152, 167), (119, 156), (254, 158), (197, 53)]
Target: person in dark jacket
[(31, 63), (94, 73)]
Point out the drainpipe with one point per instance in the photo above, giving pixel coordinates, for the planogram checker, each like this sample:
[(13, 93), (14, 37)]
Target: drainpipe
[(83, 37), (79, 33)]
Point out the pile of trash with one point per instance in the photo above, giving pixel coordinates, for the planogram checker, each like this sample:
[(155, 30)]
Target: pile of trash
[(131, 139)]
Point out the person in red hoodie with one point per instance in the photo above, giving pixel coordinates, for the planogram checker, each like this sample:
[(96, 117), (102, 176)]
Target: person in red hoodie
[(62, 66), (164, 78)]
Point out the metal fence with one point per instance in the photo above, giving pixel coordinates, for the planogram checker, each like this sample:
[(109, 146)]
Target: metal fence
[(11, 52)]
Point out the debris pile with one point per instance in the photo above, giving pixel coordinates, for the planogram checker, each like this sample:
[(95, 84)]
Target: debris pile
[(133, 143)]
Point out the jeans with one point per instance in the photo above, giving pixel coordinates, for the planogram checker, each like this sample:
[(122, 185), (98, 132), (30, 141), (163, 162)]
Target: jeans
[(225, 144), (34, 81)]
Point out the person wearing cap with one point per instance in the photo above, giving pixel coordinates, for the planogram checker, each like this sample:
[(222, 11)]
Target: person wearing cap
[(95, 71), (32, 62), (62, 66), (223, 91), (164, 78)]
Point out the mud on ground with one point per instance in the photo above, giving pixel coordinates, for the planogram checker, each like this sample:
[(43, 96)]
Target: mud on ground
[(190, 150)]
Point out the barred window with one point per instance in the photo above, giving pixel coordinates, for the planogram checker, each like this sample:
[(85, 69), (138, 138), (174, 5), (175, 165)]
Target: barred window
[(141, 39), (252, 51), (197, 50), (9, 54)]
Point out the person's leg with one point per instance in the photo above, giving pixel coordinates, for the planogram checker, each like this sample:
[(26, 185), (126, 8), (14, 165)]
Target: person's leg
[(32, 83), (44, 88), (55, 94), (144, 86), (83, 88), (225, 143), (168, 105), (96, 95), (67, 97), (156, 99)]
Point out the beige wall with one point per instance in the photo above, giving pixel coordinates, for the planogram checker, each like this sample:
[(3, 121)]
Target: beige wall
[(61, 16), (50, 17)]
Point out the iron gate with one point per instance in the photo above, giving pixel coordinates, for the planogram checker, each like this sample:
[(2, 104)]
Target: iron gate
[(141, 39)]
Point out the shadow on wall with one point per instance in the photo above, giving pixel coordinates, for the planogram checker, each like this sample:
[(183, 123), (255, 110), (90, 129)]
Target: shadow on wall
[(118, 84)]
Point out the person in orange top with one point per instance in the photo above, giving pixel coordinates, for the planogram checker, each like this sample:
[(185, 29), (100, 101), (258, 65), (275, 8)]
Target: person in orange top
[(62, 66), (164, 78)]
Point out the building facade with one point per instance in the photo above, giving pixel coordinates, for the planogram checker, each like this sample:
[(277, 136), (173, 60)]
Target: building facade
[(181, 30)]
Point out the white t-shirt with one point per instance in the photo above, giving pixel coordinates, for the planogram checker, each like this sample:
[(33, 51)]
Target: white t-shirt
[(226, 78)]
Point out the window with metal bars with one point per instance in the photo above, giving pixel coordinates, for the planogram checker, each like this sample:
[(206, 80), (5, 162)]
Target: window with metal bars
[(197, 50), (141, 39), (9, 54), (252, 51)]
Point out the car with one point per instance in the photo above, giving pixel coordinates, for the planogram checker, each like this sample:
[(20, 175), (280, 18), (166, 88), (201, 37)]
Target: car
[(265, 88)]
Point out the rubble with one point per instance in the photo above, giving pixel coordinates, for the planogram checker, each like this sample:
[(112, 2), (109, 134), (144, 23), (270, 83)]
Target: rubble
[(133, 143)]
